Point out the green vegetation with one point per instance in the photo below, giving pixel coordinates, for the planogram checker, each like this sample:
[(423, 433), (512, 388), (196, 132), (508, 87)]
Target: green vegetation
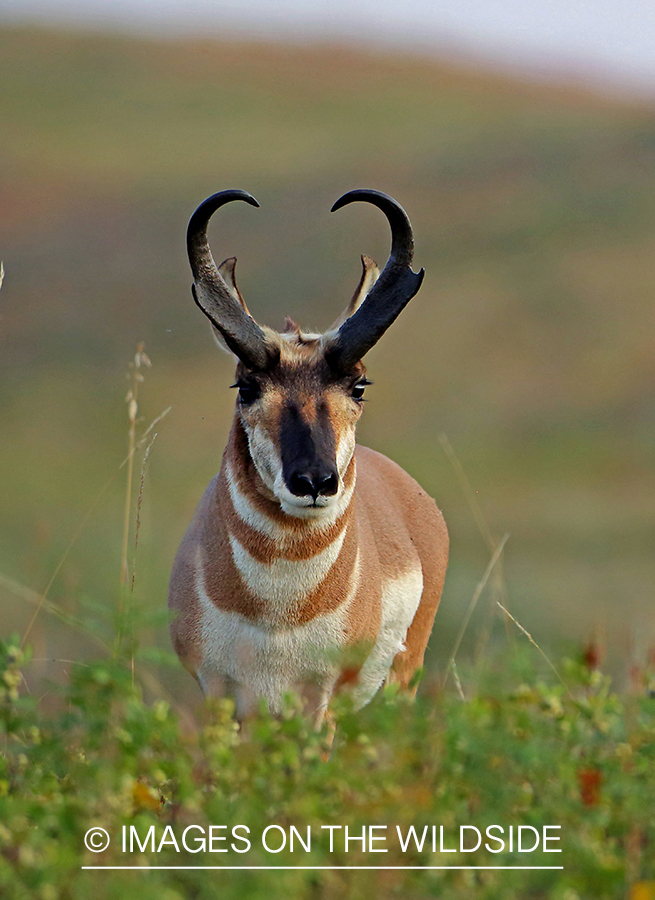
[(519, 751)]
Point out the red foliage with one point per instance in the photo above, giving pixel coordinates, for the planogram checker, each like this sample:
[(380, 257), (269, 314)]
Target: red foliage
[(589, 781)]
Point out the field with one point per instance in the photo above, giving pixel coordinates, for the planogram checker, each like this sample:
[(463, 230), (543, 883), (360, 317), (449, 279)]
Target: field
[(519, 752), (517, 387)]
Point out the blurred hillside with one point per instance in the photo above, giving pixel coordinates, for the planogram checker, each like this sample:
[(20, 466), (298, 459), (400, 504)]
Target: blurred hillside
[(530, 344)]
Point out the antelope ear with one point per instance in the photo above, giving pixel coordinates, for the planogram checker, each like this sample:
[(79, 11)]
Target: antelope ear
[(290, 326), (370, 274)]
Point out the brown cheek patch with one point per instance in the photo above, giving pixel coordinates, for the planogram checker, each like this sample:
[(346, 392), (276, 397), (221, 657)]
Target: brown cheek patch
[(342, 412), (248, 478), (265, 413)]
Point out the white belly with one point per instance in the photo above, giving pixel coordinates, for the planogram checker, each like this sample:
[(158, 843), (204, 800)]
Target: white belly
[(271, 661)]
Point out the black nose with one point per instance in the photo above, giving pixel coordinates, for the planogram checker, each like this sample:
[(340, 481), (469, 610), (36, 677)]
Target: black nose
[(322, 482)]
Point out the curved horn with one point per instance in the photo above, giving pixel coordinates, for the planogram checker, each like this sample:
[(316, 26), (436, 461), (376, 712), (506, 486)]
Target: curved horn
[(241, 333), (391, 293)]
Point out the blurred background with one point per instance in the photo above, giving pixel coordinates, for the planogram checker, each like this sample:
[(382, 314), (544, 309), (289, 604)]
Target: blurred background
[(521, 141)]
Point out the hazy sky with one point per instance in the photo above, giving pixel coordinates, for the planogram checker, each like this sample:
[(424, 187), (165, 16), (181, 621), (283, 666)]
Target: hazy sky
[(611, 41)]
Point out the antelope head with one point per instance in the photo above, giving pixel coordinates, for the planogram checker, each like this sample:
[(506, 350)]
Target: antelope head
[(300, 395)]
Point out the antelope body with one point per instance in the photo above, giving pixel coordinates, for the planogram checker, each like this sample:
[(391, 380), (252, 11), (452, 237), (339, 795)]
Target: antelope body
[(310, 561)]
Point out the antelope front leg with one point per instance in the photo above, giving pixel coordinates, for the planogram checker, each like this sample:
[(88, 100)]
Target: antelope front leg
[(216, 685), (316, 698)]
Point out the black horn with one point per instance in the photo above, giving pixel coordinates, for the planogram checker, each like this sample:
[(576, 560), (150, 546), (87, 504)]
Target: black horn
[(241, 333), (391, 292)]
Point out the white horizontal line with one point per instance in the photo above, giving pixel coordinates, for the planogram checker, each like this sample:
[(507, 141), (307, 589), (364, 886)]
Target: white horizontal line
[(328, 868)]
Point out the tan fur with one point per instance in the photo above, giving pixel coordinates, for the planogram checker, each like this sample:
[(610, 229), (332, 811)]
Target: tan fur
[(388, 530)]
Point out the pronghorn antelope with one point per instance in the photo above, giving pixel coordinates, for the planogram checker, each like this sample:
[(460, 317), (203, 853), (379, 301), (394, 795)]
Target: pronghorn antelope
[(305, 546)]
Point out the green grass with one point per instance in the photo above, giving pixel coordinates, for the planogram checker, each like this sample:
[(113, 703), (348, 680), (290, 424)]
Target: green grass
[(522, 749)]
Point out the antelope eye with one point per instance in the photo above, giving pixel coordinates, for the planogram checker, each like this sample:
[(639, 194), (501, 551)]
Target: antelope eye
[(248, 392), (357, 392)]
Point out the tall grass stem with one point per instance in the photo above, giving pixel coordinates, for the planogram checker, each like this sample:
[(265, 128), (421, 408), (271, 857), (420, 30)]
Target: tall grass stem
[(535, 644), (86, 517), (474, 600)]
